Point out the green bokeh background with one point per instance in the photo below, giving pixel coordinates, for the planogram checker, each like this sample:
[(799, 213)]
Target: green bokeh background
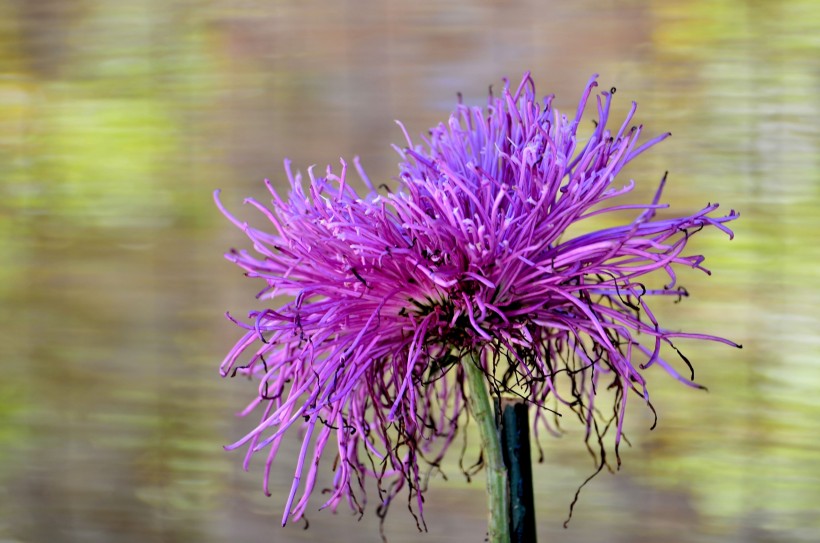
[(118, 120)]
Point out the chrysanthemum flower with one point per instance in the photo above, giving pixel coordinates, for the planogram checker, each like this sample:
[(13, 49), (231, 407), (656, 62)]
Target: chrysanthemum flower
[(380, 296)]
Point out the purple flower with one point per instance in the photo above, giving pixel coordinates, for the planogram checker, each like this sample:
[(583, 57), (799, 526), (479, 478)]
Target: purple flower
[(377, 297)]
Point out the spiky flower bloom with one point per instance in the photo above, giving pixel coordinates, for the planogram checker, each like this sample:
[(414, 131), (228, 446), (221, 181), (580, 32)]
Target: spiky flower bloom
[(385, 293)]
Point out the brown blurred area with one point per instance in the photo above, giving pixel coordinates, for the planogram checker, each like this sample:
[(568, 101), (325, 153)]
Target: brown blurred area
[(119, 119)]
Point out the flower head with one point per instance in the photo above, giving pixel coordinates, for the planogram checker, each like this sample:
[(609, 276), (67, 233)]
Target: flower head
[(383, 294)]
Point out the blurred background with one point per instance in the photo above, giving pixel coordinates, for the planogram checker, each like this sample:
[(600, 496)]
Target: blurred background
[(119, 119)]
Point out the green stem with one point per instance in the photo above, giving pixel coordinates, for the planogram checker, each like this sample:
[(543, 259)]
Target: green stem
[(497, 494)]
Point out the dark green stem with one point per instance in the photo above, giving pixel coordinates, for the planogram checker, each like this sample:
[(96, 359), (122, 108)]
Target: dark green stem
[(515, 444)]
